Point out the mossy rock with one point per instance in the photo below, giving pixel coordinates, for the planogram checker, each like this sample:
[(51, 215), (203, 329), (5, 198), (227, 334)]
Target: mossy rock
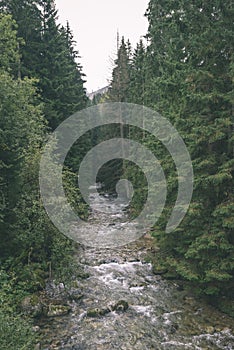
[(75, 284), (159, 270), (97, 312), (121, 305), (210, 330), (58, 310)]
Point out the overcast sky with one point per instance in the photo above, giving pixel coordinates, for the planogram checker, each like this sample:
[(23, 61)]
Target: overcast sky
[(95, 24)]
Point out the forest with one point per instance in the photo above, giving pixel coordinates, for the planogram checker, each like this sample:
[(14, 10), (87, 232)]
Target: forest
[(183, 70)]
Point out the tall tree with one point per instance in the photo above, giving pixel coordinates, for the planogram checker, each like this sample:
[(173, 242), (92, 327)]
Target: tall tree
[(137, 75), (20, 124), (61, 79), (192, 86), (48, 54), (121, 74), (118, 92), (27, 15), (9, 52)]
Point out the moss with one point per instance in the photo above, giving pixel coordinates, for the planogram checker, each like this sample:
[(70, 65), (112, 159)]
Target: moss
[(34, 299), (225, 305), (97, 312), (58, 310)]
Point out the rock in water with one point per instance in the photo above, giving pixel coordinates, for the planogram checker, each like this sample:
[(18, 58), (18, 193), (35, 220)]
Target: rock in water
[(58, 310), (97, 312), (121, 305)]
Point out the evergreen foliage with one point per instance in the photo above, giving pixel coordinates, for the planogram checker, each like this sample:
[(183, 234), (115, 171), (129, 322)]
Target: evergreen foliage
[(48, 54), (185, 72), (41, 84), (193, 83)]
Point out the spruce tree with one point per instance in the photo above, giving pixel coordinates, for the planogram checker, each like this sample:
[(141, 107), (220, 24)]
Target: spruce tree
[(47, 53), (118, 92), (61, 79), (192, 86), (27, 15), (137, 75), (21, 125), (121, 74)]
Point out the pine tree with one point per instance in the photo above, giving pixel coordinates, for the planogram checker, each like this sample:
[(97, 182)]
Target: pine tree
[(47, 53), (121, 74), (9, 53), (27, 15), (21, 125), (25, 229), (118, 92), (192, 85), (137, 75), (61, 79)]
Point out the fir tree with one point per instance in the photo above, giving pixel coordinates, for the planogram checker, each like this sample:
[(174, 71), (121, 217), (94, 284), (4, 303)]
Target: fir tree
[(192, 83), (47, 53), (121, 74)]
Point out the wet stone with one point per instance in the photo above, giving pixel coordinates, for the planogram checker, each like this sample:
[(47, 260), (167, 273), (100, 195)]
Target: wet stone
[(97, 312), (58, 310), (210, 329), (121, 305)]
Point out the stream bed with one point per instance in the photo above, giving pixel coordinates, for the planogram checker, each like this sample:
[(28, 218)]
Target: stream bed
[(124, 305)]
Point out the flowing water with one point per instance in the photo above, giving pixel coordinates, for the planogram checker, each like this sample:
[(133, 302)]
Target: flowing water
[(125, 306)]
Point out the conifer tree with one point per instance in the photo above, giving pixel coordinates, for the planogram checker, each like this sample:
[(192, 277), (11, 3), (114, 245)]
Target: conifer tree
[(118, 92), (27, 15), (61, 79), (137, 75), (47, 53), (121, 74), (21, 125), (192, 86)]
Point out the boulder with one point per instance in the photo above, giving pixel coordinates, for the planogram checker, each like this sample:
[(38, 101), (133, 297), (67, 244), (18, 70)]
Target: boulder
[(97, 312), (58, 310), (159, 271), (121, 305), (210, 330)]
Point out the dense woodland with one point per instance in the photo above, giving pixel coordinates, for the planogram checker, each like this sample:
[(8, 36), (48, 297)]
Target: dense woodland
[(184, 70)]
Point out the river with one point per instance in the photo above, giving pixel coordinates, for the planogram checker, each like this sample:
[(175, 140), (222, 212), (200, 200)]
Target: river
[(125, 306)]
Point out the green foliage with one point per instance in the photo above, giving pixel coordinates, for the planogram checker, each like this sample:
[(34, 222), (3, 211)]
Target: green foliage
[(190, 60), (138, 75), (15, 331), (20, 128), (121, 74), (26, 232), (48, 54), (32, 250), (9, 55), (186, 74), (61, 78)]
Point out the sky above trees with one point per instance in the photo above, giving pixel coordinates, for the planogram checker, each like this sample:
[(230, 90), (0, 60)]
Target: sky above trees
[(95, 25)]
